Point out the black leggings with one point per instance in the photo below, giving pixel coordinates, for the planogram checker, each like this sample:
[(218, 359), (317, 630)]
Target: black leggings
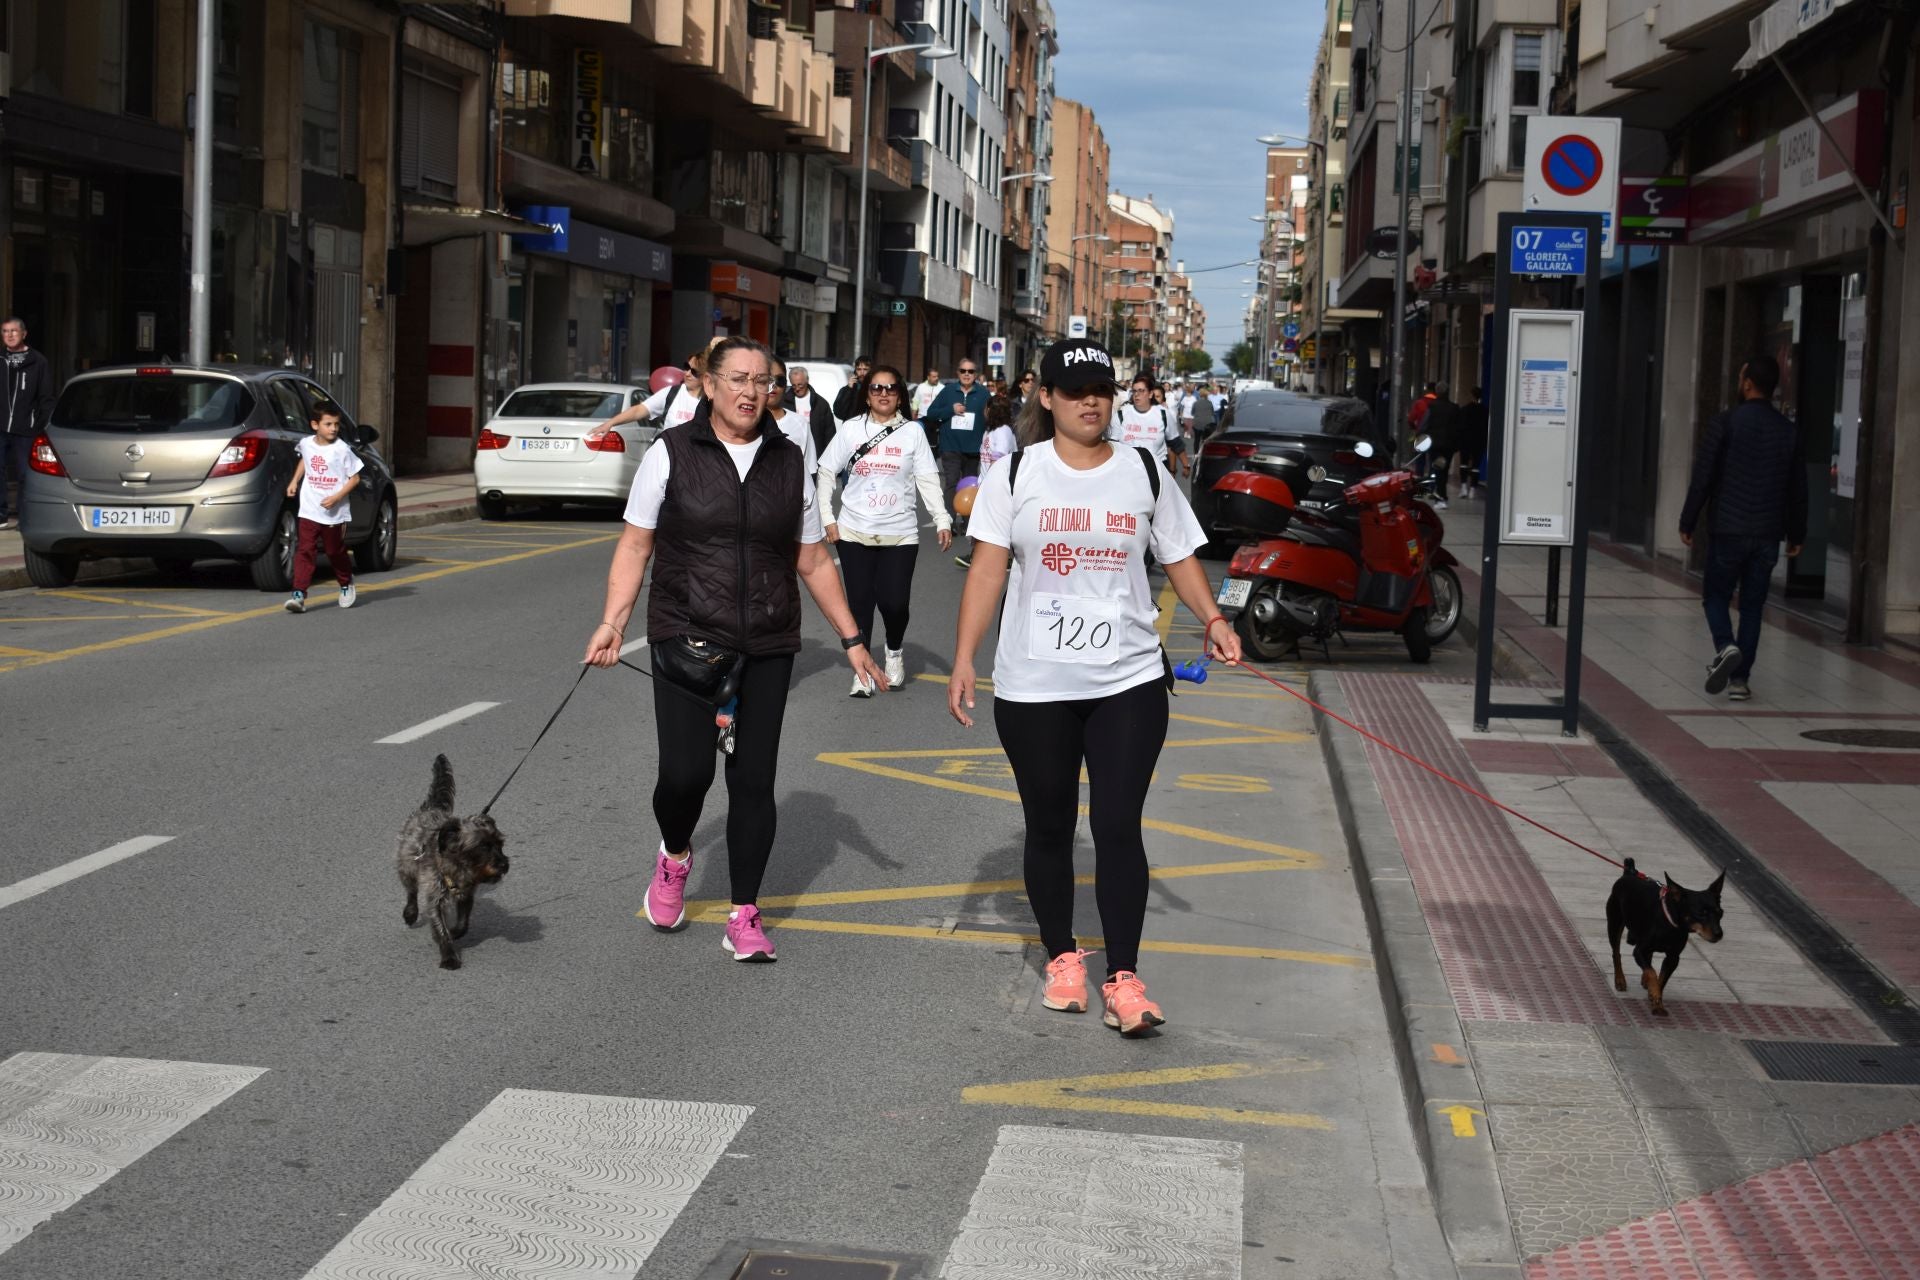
[(686, 734), (879, 576), (1119, 737)]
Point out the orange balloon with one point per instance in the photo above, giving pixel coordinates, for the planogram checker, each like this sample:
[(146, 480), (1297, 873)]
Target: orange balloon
[(963, 500)]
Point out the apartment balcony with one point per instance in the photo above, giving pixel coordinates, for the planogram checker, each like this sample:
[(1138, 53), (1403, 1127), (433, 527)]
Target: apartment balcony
[(1485, 203), (1030, 306), (947, 286), (982, 300), (1668, 65)]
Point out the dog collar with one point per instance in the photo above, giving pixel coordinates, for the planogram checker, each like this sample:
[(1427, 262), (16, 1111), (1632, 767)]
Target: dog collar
[(1663, 907)]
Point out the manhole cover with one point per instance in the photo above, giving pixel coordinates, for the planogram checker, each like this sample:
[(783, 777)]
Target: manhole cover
[(1837, 1063), (1908, 739), (769, 1266)]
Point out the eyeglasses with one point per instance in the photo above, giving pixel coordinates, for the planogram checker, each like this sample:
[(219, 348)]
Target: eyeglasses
[(741, 381), (883, 388), (969, 371)]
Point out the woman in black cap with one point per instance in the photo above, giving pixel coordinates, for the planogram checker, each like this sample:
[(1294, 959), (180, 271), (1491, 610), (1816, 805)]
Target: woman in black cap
[(1065, 525)]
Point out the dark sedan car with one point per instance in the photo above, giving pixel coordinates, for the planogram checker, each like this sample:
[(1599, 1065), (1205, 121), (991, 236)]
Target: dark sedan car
[(1285, 434), (183, 463)]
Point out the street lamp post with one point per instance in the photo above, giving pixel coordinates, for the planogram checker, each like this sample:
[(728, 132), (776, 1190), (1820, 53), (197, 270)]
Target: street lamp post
[(929, 49), (1073, 264)]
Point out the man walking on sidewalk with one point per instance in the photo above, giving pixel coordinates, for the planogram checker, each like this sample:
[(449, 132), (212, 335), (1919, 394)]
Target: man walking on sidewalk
[(1751, 464), (27, 385)]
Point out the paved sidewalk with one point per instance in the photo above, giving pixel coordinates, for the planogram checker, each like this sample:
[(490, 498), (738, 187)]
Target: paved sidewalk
[(1571, 1133), (424, 500)]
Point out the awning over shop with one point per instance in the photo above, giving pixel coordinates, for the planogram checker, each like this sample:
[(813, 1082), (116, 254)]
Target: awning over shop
[(1780, 24), (427, 224)]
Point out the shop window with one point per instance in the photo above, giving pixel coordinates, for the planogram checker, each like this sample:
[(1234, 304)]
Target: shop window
[(740, 190), (528, 117), (429, 134), (330, 136)]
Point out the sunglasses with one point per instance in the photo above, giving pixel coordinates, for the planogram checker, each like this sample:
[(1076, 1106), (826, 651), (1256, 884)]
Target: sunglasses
[(969, 371), (883, 388)]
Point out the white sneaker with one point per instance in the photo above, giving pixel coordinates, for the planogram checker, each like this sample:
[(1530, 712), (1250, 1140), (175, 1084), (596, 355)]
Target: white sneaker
[(347, 596), (1441, 505), (862, 687), (896, 669)]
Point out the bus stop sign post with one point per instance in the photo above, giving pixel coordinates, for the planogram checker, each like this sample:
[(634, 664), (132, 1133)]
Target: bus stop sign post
[(1536, 450)]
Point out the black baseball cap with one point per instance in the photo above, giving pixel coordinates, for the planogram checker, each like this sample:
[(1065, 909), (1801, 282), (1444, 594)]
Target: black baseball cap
[(1076, 363)]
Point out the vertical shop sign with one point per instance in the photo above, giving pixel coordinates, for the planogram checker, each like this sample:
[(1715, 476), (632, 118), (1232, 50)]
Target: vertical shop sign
[(586, 112)]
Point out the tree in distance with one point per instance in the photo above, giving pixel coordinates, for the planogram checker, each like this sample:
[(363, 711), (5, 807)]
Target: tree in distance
[(1191, 361), (1240, 359)]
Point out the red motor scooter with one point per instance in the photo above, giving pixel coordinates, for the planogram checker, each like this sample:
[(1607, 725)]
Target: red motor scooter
[(1371, 562)]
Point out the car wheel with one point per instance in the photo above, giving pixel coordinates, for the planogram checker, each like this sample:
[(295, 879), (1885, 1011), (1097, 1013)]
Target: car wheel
[(1445, 584), (173, 567), (51, 572), (1414, 632), (492, 508), (273, 567), (383, 548)]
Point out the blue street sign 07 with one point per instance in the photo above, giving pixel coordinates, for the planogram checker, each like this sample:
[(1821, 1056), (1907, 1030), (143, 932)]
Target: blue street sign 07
[(1548, 251)]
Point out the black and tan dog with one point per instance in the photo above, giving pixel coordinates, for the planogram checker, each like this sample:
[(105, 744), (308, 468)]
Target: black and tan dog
[(1658, 917), (447, 858)]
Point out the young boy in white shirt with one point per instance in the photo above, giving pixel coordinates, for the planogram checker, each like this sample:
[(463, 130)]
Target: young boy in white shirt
[(329, 470)]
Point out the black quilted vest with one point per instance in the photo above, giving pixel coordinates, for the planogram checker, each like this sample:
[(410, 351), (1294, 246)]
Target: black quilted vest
[(723, 563)]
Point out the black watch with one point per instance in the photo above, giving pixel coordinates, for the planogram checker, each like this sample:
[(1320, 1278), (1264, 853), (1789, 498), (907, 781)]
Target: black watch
[(851, 642)]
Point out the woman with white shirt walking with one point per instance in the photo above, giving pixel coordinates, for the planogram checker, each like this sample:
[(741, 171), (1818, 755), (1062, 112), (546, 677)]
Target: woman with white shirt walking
[(886, 459), (1065, 526), (1143, 424)]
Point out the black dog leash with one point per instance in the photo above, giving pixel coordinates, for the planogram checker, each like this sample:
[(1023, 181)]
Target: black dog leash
[(536, 741)]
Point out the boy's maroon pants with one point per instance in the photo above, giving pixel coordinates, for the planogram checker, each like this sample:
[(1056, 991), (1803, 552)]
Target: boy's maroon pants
[(312, 535)]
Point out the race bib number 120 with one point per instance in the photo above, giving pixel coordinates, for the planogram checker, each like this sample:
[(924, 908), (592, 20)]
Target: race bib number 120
[(1073, 629)]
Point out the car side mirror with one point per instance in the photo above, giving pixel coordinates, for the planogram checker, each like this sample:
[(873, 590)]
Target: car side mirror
[(368, 434), (1423, 444), (1364, 449)]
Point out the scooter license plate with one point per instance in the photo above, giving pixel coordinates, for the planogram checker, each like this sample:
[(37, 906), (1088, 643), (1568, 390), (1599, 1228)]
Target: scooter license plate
[(1234, 593)]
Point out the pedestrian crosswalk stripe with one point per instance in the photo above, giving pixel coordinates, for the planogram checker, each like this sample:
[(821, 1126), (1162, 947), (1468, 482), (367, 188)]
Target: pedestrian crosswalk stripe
[(69, 1123), (1074, 1204), (541, 1185)]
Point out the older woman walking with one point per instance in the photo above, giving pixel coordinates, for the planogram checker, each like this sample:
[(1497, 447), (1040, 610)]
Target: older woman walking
[(723, 511)]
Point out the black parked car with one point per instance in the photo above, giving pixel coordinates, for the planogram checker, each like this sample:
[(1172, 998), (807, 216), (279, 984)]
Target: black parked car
[(1287, 435), (182, 463)]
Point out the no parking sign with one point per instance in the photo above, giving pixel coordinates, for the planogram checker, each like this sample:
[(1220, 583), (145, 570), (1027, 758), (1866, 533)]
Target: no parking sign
[(1573, 166)]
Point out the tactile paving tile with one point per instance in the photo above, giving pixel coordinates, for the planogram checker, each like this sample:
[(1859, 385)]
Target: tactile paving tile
[(1508, 951), (1851, 1214)]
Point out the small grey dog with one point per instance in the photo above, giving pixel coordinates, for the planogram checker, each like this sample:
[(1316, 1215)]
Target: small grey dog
[(447, 859)]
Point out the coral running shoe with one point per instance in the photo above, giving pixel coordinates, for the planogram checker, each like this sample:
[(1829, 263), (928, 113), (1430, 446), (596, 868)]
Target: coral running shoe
[(1066, 988), (745, 938), (1128, 1009), (666, 904)]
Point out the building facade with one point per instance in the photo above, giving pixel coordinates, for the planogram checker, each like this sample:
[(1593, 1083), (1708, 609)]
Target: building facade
[(1028, 200), (1325, 361), (1139, 257), (1077, 220)]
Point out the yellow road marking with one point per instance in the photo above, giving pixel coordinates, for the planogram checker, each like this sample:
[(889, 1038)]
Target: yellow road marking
[(204, 624), (1077, 1093), (1168, 599), (1444, 1055), (89, 617), (986, 686), (989, 937), (8, 651), (972, 888), (1462, 1117), (859, 760), (92, 598)]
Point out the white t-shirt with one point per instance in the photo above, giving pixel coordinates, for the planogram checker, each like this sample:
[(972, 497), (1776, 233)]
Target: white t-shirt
[(878, 498), (649, 492), (1182, 404), (999, 443), (1078, 621), (684, 405), (1150, 430), (326, 467), (923, 394)]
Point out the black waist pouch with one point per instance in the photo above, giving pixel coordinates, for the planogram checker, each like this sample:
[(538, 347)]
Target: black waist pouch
[(700, 667)]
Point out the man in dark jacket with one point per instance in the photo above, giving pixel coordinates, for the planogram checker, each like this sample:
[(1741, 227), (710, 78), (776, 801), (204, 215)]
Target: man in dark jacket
[(27, 384), (1473, 442), (852, 400), (959, 415), (1751, 464), (1442, 427), (802, 399)]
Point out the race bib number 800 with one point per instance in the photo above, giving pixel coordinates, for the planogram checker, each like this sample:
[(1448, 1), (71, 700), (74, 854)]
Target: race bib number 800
[(1073, 629)]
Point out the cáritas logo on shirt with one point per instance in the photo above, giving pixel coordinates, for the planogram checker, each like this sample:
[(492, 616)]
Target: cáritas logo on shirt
[(1058, 557)]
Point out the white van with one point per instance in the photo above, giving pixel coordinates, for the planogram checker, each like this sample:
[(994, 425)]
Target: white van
[(825, 376)]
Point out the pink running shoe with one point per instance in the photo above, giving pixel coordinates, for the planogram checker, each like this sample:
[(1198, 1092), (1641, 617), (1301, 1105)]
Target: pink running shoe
[(1066, 988), (667, 892), (745, 938), (1128, 1010)]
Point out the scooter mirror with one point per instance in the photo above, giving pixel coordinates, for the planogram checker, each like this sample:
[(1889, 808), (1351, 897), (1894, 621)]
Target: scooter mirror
[(1423, 444), (1364, 449)]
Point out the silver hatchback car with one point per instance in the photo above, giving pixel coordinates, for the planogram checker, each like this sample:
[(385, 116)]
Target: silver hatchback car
[(182, 463)]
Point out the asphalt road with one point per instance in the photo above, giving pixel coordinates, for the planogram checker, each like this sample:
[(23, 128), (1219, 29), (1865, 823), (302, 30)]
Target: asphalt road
[(907, 1094)]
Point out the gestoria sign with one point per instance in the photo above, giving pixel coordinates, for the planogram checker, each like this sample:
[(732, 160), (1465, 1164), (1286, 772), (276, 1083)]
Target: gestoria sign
[(1790, 170), (586, 111)]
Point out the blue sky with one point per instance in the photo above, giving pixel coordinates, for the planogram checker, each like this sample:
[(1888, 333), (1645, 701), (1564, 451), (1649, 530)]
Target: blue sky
[(1182, 88)]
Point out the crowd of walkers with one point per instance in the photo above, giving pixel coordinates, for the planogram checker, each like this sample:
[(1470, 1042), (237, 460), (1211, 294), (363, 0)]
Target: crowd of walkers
[(756, 487)]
